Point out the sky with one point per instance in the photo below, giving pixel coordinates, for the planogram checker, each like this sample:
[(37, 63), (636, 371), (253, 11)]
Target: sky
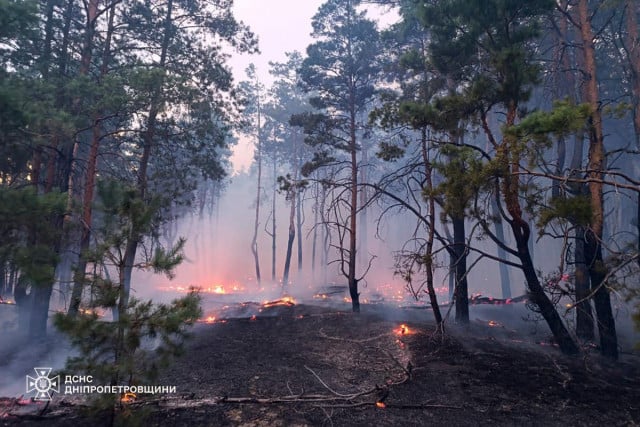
[(281, 26)]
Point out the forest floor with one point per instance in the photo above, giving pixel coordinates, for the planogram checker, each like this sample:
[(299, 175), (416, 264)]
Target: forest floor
[(309, 365)]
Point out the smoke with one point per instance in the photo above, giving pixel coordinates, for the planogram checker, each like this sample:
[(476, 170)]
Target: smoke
[(19, 356)]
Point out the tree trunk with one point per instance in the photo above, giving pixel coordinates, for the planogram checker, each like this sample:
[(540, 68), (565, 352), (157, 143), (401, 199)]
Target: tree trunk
[(461, 288), (353, 211), (537, 295), (314, 240), (522, 233), (292, 235), (89, 186), (273, 224), (632, 44), (148, 137), (593, 248), (584, 316), (505, 284), (433, 298), (452, 262), (256, 223)]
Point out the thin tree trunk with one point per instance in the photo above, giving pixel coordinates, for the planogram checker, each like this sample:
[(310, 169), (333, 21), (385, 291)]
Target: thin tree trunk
[(353, 211), (505, 284), (273, 223), (299, 228), (254, 240), (433, 298), (314, 240), (292, 235), (148, 137)]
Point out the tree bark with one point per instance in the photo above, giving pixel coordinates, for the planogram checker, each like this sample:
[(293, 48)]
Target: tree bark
[(90, 179), (593, 247)]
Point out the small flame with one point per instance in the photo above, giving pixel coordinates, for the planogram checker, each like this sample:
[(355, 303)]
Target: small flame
[(493, 323), (128, 397), (210, 319), (253, 317), (402, 330), (380, 404)]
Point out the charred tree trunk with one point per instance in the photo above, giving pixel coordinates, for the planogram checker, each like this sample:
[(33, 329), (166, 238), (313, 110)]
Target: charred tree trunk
[(461, 287), (584, 315), (353, 210), (452, 262), (536, 292)]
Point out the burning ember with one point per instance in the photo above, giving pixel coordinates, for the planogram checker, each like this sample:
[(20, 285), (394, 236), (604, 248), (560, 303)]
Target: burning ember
[(493, 323), (380, 405), (128, 398), (6, 301), (402, 330)]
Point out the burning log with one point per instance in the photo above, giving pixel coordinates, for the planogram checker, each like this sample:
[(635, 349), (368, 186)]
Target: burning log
[(282, 302)]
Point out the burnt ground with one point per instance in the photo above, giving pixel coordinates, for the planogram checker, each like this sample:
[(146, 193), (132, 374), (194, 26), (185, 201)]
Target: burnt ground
[(317, 366)]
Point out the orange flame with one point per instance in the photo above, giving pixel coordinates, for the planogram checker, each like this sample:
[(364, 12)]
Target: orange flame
[(128, 397), (380, 404), (403, 330)]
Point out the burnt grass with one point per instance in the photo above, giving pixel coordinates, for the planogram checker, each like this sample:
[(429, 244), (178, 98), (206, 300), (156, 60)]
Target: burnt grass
[(305, 365)]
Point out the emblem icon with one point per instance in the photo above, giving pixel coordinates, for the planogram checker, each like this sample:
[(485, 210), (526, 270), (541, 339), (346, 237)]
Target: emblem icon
[(42, 384)]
